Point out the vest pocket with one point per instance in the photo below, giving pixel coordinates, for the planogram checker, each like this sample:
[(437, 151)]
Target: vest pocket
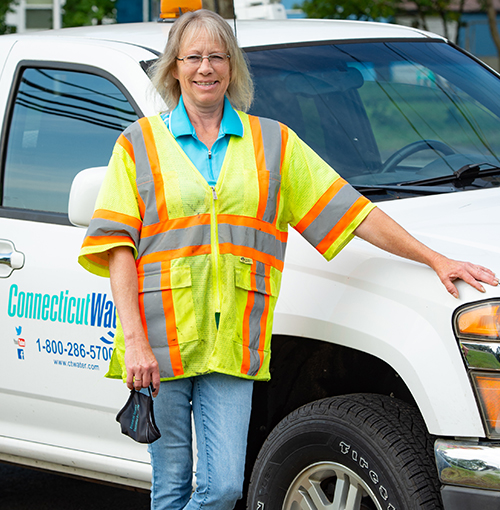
[(165, 279), (254, 292), (255, 277), (166, 302)]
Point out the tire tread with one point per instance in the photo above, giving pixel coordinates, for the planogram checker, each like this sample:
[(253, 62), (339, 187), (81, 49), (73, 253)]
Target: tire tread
[(398, 426)]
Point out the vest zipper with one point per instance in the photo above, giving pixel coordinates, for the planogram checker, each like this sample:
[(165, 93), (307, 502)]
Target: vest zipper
[(215, 251), (210, 171)]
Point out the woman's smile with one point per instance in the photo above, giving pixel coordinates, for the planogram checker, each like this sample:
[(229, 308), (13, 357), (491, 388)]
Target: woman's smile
[(203, 84)]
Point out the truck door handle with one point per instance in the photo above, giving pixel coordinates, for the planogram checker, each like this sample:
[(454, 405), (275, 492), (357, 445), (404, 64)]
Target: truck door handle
[(10, 258)]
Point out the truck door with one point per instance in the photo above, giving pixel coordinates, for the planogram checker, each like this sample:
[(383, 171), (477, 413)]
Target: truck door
[(58, 321)]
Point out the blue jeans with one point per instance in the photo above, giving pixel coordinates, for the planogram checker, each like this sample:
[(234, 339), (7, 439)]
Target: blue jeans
[(221, 407)]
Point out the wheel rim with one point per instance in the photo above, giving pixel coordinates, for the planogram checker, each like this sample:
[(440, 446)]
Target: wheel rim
[(329, 486)]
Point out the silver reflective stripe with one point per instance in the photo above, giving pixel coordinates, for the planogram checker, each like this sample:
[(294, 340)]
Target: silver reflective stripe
[(197, 235), (338, 206), (252, 238), (152, 277), (271, 137), (100, 227), (144, 174), (258, 308), (260, 273), (157, 328), (162, 355)]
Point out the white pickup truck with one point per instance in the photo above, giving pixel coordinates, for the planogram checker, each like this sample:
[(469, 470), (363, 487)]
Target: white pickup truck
[(385, 390)]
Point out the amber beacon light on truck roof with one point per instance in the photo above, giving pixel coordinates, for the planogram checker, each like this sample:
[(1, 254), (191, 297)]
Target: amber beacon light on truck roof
[(172, 9)]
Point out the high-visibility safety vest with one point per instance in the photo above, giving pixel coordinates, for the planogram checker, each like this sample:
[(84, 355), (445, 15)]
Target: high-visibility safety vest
[(202, 251)]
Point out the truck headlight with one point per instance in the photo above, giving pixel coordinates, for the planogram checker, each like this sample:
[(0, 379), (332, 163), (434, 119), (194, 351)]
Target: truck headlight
[(477, 328), (481, 321)]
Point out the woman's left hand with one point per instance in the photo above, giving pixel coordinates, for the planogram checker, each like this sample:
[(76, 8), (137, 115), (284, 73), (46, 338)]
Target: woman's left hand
[(450, 270), (382, 231)]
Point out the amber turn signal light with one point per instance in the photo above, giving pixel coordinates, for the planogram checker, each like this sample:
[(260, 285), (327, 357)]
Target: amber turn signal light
[(488, 391)]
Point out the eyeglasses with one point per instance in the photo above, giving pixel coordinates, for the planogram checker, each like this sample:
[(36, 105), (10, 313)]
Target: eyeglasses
[(215, 59)]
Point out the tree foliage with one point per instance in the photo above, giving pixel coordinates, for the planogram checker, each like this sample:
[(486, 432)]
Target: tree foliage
[(386, 10), (5, 7), (78, 13), (492, 23), (449, 11), (350, 9)]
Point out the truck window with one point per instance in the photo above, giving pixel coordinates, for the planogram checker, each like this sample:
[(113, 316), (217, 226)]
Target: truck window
[(62, 122), (384, 114)]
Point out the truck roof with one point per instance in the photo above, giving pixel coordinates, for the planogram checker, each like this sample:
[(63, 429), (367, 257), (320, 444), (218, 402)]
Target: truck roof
[(254, 33)]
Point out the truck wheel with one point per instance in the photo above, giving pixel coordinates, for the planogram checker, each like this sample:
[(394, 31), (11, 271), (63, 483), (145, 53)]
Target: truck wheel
[(354, 452)]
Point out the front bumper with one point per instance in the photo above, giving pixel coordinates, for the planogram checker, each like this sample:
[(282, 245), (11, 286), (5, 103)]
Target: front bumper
[(469, 473), (465, 498)]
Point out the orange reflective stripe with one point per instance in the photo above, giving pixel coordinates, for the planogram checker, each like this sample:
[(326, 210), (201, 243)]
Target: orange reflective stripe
[(342, 225), (105, 214), (245, 365), (247, 221), (268, 279), (143, 314), (244, 251), (142, 206), (102, 240), (101, 259), (127, 146), (320, 205), (168, 307), (284, 142), (154, 163), (177, 223), (260, 160)]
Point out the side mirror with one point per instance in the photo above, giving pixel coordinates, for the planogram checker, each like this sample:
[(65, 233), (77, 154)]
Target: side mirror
[(83, 194)]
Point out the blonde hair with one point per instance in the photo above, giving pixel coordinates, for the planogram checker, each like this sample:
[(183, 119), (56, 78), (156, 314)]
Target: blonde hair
[(240, 89)]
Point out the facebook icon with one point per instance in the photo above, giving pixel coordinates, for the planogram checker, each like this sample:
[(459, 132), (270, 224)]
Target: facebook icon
[(20, 353)]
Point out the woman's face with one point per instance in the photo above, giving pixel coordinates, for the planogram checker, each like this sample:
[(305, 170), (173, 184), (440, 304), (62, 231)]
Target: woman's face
[(203, 86)]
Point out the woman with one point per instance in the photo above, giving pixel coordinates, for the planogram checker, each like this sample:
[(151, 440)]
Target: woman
[(191, 226)]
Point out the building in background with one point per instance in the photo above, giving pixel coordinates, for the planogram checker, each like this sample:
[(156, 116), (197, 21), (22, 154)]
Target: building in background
[(35, 15), (474, 33)]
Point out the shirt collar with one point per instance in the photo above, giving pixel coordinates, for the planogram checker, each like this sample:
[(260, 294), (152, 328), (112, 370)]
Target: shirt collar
[(180, 125)]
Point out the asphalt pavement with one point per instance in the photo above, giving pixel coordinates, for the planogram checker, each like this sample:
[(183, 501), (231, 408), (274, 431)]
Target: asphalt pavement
[(28, 489)]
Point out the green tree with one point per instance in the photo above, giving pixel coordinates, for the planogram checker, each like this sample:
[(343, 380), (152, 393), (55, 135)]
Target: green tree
[(492, 23), (78, 13), (447, 10), (5, 7), (222, 7), (350, 9)]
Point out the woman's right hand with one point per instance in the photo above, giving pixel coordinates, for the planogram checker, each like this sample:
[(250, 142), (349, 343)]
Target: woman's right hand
[(142, 367)]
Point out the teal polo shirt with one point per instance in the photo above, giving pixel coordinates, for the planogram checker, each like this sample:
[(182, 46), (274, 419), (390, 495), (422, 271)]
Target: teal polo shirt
[(208, 162)]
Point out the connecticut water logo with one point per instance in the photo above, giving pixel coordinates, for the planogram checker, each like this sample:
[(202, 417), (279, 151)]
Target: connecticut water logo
[(95, 309)]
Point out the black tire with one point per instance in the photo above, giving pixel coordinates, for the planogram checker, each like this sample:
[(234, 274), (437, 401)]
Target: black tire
[(366, 451)]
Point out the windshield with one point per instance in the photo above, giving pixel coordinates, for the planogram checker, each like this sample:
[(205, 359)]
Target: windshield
[(386, 113)]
